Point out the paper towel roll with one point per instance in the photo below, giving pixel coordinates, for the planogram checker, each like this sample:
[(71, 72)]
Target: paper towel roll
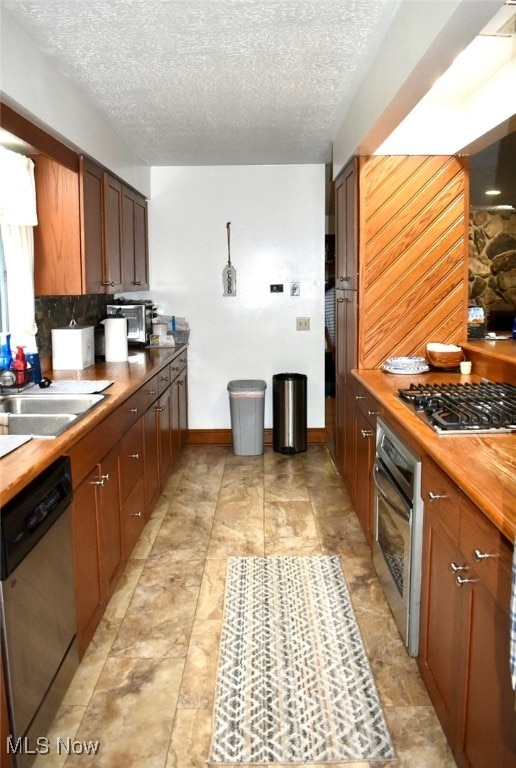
[(115, 344)]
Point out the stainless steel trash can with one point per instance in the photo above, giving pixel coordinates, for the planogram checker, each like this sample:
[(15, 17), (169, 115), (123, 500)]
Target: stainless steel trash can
[(289, 412), (246, 401)]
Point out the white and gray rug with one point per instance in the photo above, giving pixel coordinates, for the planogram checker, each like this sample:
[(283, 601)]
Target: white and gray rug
[(294, 684)]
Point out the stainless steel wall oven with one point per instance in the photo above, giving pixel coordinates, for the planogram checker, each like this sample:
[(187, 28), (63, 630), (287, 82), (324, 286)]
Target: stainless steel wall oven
[(398, 528)]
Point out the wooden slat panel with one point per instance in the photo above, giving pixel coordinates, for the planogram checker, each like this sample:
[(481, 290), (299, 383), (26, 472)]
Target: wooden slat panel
[(413, 273)]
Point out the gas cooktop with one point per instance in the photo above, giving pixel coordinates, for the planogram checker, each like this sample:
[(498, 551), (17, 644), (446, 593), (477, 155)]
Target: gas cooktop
[(457, 409)]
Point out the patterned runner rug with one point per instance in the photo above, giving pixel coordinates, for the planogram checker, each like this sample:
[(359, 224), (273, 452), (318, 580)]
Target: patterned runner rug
[(293, 684)]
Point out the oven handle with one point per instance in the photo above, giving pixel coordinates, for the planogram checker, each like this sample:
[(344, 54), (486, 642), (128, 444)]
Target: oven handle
[(401, 512)]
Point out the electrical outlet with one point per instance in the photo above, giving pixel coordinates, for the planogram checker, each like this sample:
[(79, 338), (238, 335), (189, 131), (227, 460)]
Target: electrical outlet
[(302, 323), (295, 289)]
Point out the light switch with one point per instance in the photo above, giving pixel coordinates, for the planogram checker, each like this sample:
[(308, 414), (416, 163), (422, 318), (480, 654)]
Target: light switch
[(295, 289)]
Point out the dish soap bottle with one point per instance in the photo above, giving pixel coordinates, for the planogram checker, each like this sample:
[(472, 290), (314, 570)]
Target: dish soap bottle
[(514, 329), (6, 358), (20, 367)]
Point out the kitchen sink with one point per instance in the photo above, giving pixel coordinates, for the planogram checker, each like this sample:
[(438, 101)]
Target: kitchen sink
[(39, 425), (45, 415)]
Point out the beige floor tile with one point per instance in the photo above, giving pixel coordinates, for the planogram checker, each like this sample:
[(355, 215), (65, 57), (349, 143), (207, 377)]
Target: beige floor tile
[(131, 714), (145, 686), (65, 727), (211, 597), (232, 537), (198, 685), (191, 738)]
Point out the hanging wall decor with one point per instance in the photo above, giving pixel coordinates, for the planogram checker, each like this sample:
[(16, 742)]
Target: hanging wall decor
[(229, 271)]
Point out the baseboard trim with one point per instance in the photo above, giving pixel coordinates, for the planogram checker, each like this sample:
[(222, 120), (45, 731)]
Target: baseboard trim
[(315, 435)]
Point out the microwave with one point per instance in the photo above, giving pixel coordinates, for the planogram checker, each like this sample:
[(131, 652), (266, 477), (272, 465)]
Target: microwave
[(139, 317)]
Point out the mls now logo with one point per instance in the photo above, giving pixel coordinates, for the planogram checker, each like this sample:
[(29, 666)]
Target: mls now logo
[(42, 746)]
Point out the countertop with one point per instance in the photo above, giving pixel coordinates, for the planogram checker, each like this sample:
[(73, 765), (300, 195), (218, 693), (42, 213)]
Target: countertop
[(25, 463), (499, 349), (483, 466)]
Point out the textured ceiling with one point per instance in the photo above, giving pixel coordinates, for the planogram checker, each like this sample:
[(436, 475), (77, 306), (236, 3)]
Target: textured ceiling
[(200, 82)]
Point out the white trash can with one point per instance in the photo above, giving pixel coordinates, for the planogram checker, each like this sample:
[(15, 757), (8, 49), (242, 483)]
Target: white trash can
[(247, 401)]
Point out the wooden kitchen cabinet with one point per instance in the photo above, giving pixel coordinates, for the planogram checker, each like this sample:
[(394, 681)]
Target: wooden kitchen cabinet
[(82, 236), (89, 604), (346, 275), (132, 489), (366, 410), (115, 492), (398, 219), (134, 241), (464, 646), (97, 537)]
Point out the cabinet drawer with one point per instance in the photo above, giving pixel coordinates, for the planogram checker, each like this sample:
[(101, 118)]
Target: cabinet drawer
[(164, 379), (487, 551), (130, 411), (367, 405), (442, 496), (131, 458), (133, 517), (149, 392)]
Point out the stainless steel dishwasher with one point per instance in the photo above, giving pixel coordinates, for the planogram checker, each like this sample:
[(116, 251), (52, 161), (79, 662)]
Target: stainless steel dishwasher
[(37, 603)]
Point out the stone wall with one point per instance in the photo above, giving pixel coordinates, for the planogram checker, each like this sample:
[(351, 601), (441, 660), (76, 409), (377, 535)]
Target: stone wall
[(492, 260)]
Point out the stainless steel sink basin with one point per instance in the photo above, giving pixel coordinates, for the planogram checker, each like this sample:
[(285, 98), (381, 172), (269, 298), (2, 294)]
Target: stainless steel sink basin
[(39, 425), (47, 404), (45, 415)]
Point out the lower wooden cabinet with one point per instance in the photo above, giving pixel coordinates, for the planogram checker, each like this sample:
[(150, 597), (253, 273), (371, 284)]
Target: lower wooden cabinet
[(361, 412), (132, 487), (464, 645), (118, 490)]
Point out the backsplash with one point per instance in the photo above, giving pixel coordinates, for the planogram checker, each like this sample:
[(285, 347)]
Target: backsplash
[(58, 311)]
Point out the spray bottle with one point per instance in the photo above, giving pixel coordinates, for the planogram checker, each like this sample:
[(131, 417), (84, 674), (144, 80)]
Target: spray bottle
[(20, 367)]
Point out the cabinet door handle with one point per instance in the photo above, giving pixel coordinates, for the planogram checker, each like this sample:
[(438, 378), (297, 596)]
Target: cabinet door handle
[(374, 413), (435, 496), (133, 456), (136, 514), (102, 481), (181, 382), (454, 568), (163, 378), (366, 432), (459, 581), (108, 282), (339, 300), (133, 410), (479, 556), (159, 408), (151, 392), (360, 397), (137, 282)]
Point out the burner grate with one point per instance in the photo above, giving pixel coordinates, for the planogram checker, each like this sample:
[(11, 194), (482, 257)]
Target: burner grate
[(483, 407)]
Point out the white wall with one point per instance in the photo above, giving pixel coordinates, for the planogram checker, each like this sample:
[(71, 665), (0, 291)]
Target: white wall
[(422, 42), (277, 236), (33, 86)]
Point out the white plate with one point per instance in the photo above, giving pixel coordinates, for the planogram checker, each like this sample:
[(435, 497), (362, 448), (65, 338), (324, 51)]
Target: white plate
[(414, 370), (406, 362)]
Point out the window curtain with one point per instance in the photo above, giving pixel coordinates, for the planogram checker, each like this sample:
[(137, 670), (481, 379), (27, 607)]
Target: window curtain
[(18, 216)]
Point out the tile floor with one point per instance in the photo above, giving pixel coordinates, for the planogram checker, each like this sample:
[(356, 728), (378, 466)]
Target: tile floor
[(144, 689)]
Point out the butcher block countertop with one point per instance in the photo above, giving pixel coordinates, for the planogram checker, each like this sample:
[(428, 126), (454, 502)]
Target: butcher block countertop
[(483, 466), (22, 465)]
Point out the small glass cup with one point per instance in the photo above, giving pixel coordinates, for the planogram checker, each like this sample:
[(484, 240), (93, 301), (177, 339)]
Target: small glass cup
[(465, 367)]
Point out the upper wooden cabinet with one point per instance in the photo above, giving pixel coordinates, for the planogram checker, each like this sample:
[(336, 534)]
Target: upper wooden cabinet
[(134, 242), (84, 231)]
